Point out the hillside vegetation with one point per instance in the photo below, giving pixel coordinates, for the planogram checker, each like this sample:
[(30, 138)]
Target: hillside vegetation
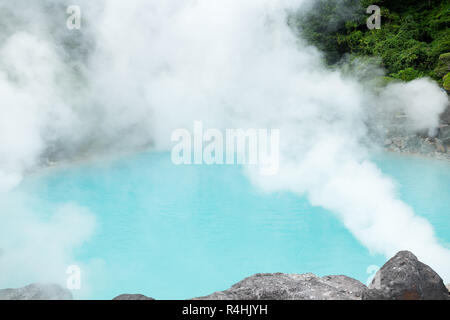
[(413, 42)]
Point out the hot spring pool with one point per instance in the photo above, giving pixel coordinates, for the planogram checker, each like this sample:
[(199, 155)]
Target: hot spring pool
[(179, 232)]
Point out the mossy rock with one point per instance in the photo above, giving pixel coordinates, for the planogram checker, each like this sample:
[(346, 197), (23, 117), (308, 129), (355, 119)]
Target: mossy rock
[(445, 58), (408, 74), (388, 80), (443, 66), (447, 82)]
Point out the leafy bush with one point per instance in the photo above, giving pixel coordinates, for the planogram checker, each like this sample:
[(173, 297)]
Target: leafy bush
[(412, 37), (447, 82)]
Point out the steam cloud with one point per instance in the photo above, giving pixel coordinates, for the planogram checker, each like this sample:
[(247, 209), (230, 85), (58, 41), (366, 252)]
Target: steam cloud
[(139, 69)]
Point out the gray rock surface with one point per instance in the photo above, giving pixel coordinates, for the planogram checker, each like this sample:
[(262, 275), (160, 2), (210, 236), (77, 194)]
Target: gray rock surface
[(399, 138), (132, 297), (444, 135), (36, 292), (404, 277), (279, 286), (437, 147), (445, 116)]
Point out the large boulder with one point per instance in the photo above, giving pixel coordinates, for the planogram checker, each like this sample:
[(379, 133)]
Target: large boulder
[(444, 135), (132, 297), (446, 83), (36, 292), (404, 277), (280, 286), (443, 65), (445, 116), (443, 70)]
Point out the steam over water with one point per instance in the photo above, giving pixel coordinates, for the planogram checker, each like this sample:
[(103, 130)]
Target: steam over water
[(137, 70)]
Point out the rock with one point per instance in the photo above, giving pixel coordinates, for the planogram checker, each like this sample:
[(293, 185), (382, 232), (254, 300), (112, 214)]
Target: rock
[(448, 287), (399, 142), (405, 278), (445, 116), (444, 135), (427, 147), (387, 142), (413, 142), (443, 65), (132, 297), (36, 292), (440, 147), (280, 286), (446, 83)]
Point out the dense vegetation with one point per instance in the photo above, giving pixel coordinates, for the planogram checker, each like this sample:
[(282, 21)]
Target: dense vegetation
[(413, 34)]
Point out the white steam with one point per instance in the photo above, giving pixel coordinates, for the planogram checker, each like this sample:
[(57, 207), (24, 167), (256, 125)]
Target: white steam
[(39, 248), (421, 100), (139, 69)]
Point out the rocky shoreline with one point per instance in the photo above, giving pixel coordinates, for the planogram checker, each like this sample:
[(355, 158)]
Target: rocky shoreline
[(403, 277), (435, 146)]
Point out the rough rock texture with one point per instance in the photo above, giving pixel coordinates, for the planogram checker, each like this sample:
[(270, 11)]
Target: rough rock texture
[(444, 135), (132, 297), (448, 287), (446, 83), (400, 140), (404, 277), (445, 116), (443, 65), (437, 147), (279, 286), (36, 292)]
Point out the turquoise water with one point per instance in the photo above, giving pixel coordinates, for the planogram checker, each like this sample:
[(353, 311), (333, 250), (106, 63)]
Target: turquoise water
[(174, 232)]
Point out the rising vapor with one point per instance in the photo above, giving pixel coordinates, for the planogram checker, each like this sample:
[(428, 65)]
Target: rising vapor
[(137, 70)]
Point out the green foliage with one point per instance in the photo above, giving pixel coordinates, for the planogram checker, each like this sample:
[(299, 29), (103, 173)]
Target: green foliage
[(321, 25), (408, 74), (443, 65), (447, 82), (414, 33)]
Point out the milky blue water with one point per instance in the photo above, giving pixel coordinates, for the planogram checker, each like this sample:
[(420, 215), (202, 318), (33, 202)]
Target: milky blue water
[(174, 232)]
